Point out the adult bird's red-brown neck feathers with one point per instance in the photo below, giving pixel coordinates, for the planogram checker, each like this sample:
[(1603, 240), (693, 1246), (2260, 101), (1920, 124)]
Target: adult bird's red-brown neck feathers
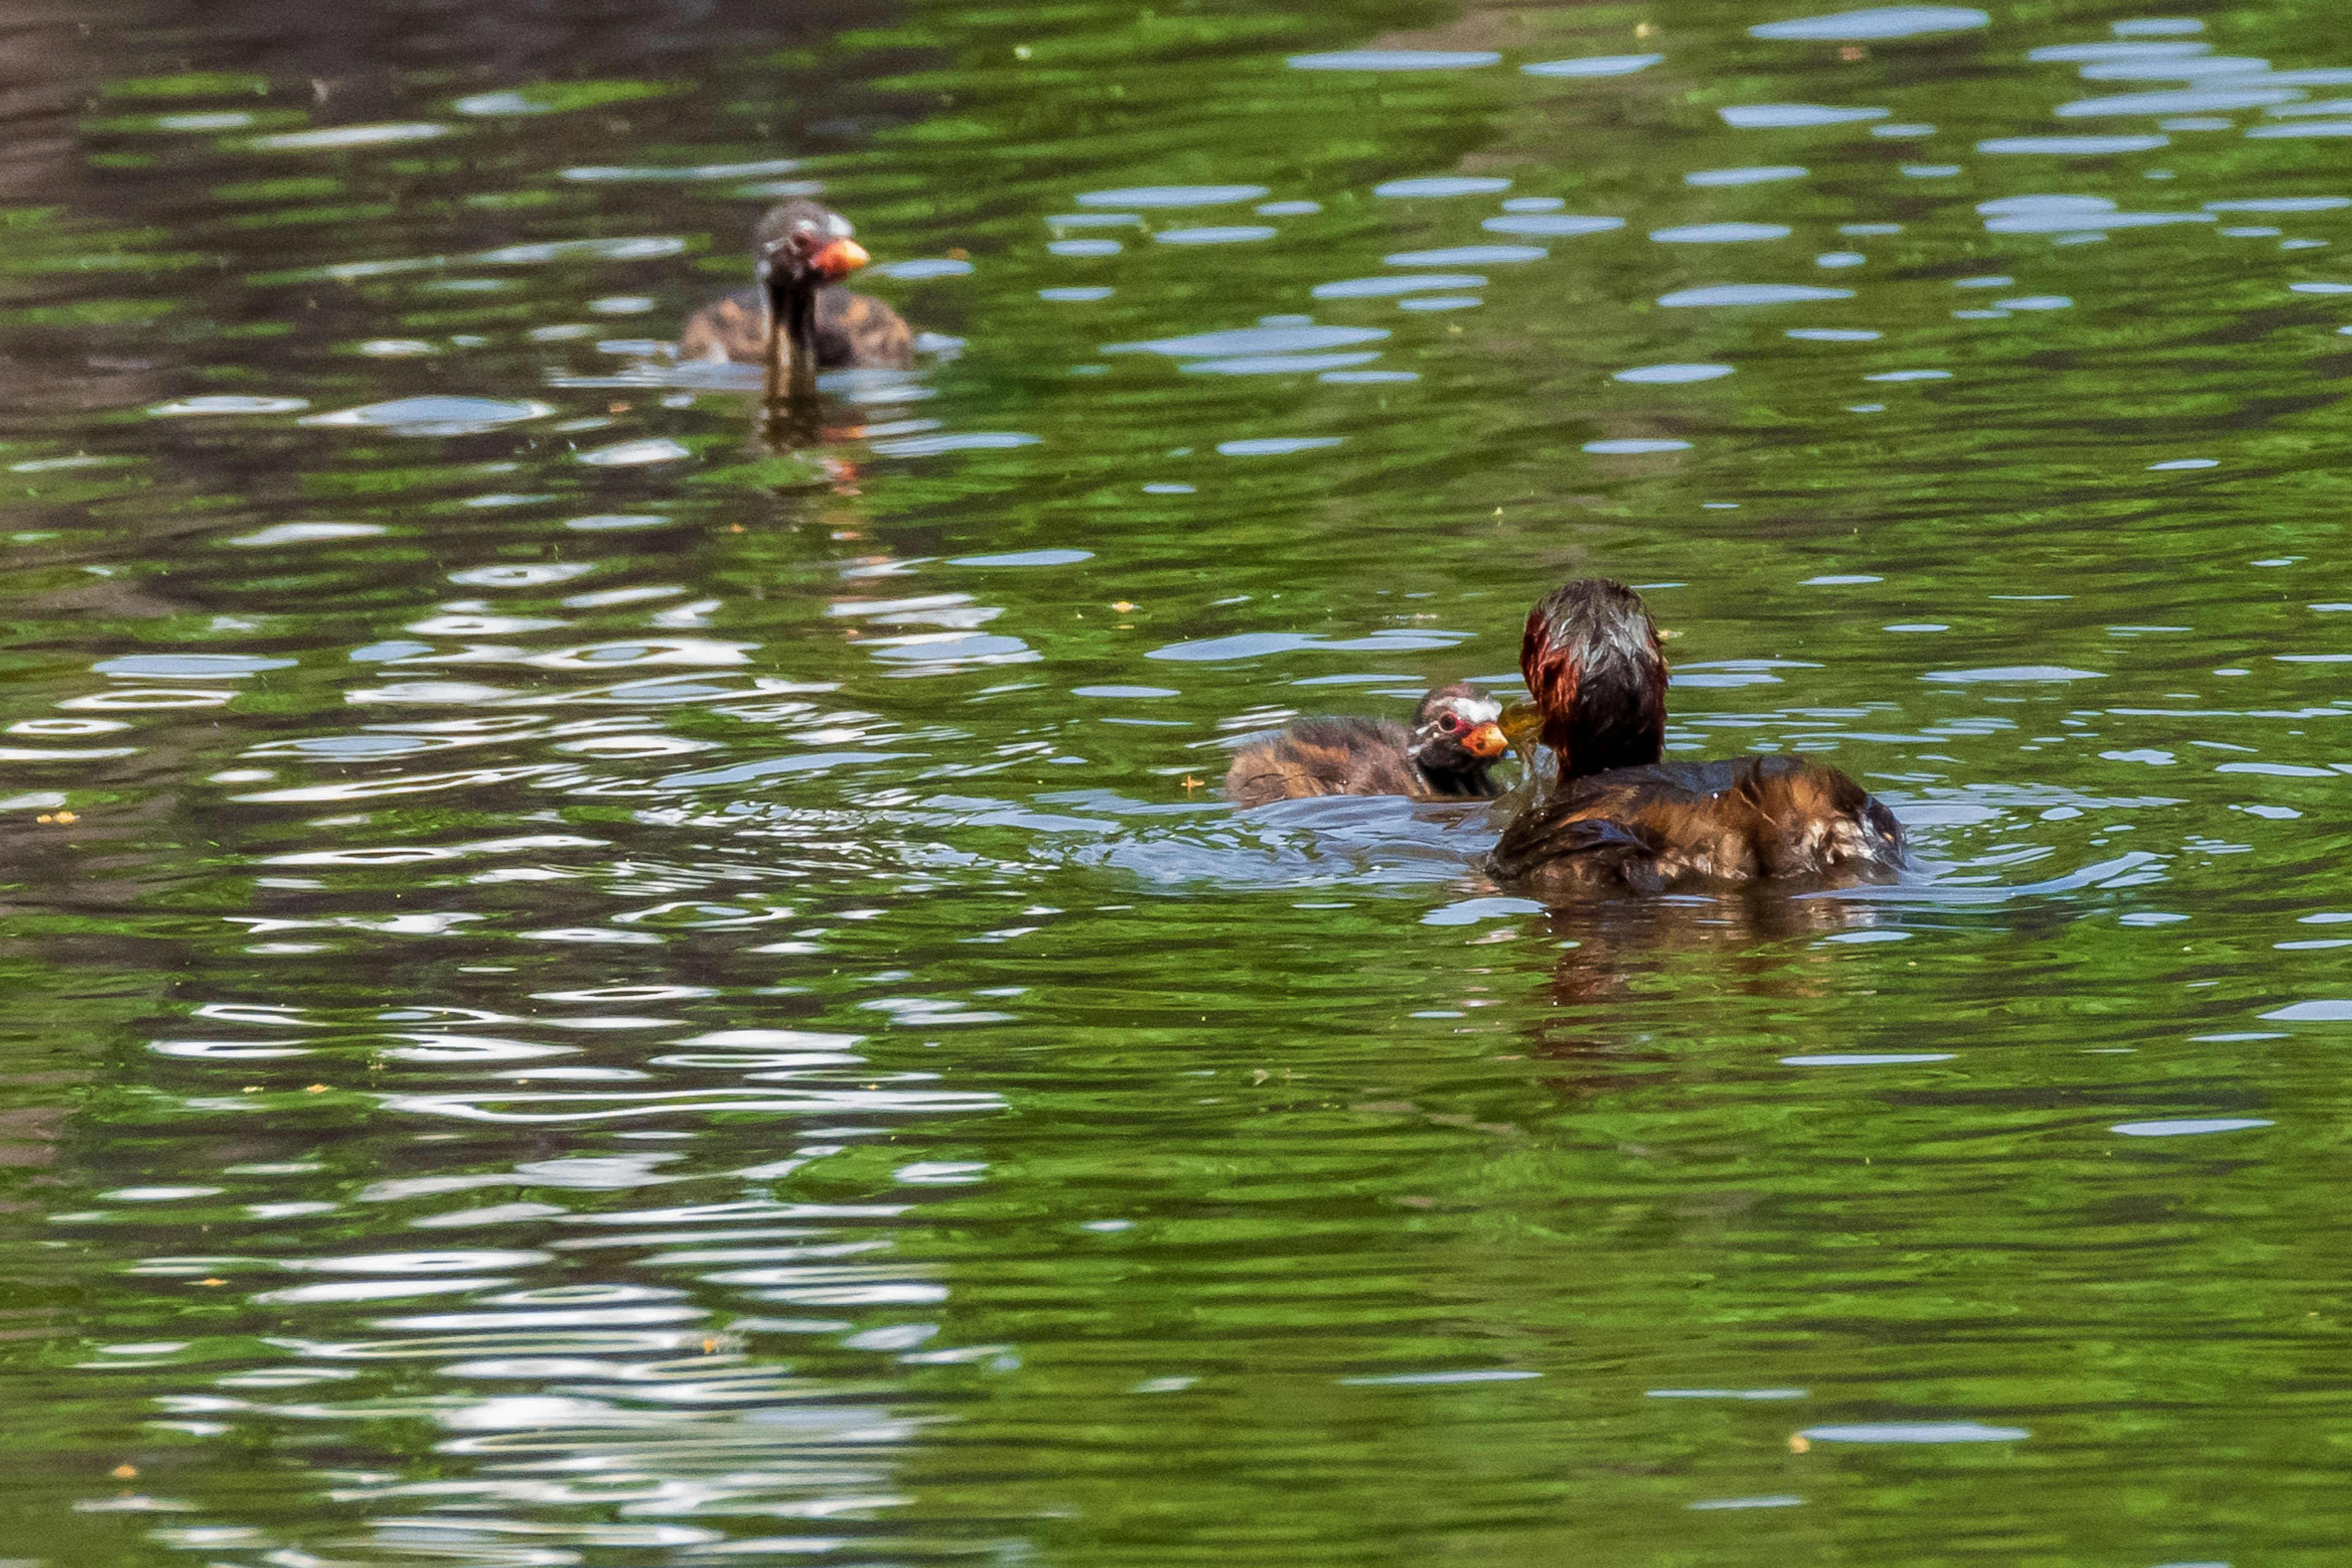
[(1593, 666)]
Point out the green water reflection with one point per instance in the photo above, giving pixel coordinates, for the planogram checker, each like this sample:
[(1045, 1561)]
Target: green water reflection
[(591, 992)]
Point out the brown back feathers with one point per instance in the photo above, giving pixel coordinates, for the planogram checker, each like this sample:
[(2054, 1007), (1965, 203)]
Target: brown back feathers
[(1646, 828)]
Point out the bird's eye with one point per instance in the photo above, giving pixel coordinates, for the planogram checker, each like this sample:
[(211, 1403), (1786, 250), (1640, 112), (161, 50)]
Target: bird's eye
[(1448, 722)]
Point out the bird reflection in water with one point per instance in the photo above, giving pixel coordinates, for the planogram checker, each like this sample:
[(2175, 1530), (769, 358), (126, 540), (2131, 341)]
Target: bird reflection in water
[(1753, 942)]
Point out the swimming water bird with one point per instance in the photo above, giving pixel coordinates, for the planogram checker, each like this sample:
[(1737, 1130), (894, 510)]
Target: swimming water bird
[(1444, 756), (1618, 815), (799, 320)]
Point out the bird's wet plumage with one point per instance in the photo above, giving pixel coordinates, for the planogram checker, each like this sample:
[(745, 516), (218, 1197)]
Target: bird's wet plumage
[(1446, 755), (1738, 819), (854, 331), (1620, 816)]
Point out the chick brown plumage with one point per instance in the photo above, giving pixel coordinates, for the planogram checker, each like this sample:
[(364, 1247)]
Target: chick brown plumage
[(1446, 755), (854, 331)]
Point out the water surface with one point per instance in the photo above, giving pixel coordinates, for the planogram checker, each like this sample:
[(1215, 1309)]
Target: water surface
[(593, 991)]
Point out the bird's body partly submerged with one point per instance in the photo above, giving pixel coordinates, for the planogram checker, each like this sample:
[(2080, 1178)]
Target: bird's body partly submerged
[(1446, 754), (797, 320), (1738, 820), (854, 331), (1620, 816)]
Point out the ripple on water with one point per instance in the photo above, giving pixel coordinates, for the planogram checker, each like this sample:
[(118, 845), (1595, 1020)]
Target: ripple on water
[(1720, 233), (1279, 336), (1221, 233), (341, 138), (1792, 116), (2083, 54), (1760, 174), (1468, 256), (1383, 288), (2069, 214), (1594, 64), (533, 575), (635, 453), (2012, 674), (1261, 645), (1444, 186), (1277, 445), (227, 404), (433, 415), (306, 533), (1396, 60), (957, 441), (1289, 364), (2321, 1012), (2071, 146), (636, 173), (2181, 101), (190, 666), (924, 267), (1171, 197), (1866, 1058), (1553, 225), (1874, 23), (1025, 558), (1915, 1432), (2281, 205)]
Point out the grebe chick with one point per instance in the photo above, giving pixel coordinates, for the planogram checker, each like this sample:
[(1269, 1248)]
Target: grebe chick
[(799, 320), (1618, 815), (1446, 755)]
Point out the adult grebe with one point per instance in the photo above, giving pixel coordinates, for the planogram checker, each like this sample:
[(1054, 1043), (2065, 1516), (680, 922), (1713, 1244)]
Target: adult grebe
[(1618, 815)]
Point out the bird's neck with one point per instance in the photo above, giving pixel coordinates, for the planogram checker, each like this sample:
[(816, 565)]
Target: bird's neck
[(1603, 701), (791, 342), (1469, 781), (1590, 741), (1605, 725)]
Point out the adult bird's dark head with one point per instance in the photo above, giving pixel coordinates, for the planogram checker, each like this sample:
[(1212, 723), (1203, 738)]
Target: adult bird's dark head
[(1594, 669)]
